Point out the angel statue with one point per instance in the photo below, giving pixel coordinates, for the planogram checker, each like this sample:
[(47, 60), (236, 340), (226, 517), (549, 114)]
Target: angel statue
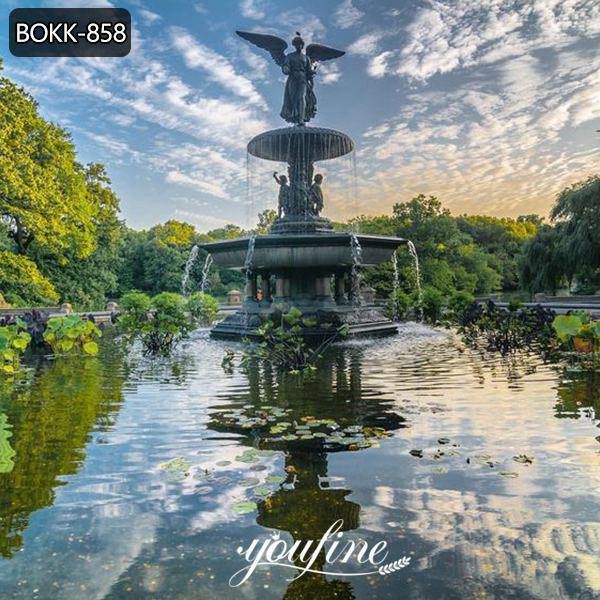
[(299, 100)]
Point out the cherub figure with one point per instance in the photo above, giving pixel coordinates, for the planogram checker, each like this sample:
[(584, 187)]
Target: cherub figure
[(316, 195), (283, 204)]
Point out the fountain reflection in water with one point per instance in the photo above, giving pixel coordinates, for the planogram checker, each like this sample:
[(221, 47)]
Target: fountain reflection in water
[(188, 269), (413, 253)]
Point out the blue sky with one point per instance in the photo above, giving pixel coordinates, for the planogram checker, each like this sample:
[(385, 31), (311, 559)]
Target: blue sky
[(490, 105)]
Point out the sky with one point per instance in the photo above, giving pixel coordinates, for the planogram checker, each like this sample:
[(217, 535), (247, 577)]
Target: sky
[(490, 105)]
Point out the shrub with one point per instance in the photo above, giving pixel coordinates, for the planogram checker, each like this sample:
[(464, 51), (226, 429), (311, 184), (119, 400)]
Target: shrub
[(432, 303), (459, 303), (135, 303), (159, 322), (21, 282), (203, 308), (13, 342), (398, 305), (72, 335)]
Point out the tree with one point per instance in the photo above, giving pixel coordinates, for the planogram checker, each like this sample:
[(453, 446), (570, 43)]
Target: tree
[(265, 219), (543, 261), (42, 187), (87, 283), (21, 282), (577, 209)]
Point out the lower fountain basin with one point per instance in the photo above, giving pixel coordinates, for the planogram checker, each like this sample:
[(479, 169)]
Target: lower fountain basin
[(299, 251)]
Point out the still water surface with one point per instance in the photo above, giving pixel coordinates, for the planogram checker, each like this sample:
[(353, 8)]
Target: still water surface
[(86, 511)]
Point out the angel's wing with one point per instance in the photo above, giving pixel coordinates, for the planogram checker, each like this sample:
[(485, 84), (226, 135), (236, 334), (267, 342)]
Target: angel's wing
[(275, 45), (317, 52)]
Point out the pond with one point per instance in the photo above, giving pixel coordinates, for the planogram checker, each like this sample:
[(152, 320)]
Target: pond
[(91, 507)]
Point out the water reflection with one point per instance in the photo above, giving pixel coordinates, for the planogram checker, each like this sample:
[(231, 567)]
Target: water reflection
[(49, 424), (308, 452), (340, 416)]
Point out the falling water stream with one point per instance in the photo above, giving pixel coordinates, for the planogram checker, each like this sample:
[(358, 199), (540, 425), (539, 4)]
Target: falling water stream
[(356, 253), (395, 283), (413, 253), (204, 283), (188, 269)]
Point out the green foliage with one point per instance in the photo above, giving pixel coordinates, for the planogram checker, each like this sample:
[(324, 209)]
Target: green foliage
[(21, 282), (42, 187), (160, 323), (577, 331), (459, 303), (203, 308), (72, 335), (283, 343), (13, 343), (507, 331), (136, 304), (432, 304), (542, 266), (87, 283), (577, 208), (398, 305)]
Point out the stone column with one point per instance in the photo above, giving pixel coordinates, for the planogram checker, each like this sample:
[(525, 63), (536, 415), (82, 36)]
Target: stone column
[(282, 288), (340, 287), (251, 288), (266, 288)]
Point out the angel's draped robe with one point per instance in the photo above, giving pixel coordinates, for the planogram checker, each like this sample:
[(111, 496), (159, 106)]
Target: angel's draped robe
[(299, 101)]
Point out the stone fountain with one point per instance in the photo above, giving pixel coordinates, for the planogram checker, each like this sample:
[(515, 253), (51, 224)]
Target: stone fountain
[(302, 262)]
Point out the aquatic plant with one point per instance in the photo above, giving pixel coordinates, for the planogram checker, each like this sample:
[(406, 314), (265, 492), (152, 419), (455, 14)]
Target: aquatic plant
[(203, 308), (283, 341), (72, 335), (159, 322), (13, 342), (508, 330), (578, 332)]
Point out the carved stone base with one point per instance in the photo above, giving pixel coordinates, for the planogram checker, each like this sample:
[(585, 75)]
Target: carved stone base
[(361, 320), (301, 224)]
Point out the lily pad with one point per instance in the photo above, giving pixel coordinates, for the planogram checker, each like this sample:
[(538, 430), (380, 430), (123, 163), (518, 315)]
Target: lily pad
[(523, 459), (416, 453), (444, 440), (223, 463), (275, 479), (250, 481), (176, 465), (244, 507), (509, 474), (261, 491)]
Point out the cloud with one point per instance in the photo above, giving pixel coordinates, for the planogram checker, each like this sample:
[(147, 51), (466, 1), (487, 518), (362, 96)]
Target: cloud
[(310, 26), (347, 15), (379, 64), (367, 44), (329, 73), (253, 9), (219, 69), (444, 36), (148, 16)]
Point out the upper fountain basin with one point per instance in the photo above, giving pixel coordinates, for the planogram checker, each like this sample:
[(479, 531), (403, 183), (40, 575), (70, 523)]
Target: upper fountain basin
[(299, 251), (300, 144)]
